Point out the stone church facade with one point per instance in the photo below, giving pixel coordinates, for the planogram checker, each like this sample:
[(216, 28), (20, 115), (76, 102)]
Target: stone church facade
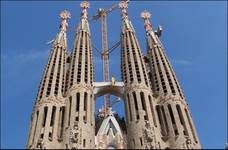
[(157, 115)]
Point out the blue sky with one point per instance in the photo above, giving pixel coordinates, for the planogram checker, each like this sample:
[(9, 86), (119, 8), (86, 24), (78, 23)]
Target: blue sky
[(194, 37)]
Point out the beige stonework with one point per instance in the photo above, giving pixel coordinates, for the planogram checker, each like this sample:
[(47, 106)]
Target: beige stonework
[(157, 115), (46, 129), (175, 121)]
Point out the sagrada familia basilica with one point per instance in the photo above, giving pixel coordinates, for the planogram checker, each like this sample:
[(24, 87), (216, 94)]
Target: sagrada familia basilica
[(157, 115)]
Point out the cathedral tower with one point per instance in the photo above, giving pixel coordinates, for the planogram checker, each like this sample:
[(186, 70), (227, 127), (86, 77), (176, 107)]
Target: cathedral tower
[(157, 115), (142, 128), (175, 121), (46, 129), (79, 123)]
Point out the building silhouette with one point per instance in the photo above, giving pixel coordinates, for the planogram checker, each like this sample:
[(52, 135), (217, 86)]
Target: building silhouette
[(157, 115)]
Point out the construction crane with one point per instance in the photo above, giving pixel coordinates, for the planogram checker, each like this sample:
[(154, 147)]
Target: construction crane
[(102, 13)]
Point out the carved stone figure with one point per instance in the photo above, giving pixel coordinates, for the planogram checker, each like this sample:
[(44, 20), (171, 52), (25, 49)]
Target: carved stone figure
[(189, 143), (148, 131), (74, 136), (148, 136)]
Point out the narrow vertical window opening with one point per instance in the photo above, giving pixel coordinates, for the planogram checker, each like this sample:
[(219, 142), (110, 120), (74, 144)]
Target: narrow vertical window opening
[(62, 122), (181, 119), (78, 101), (84, 142), (160, 119), (144, 105), (152, 111), (136, 104), (85, 101), (53, 116), (165, 121), (173, 119), (129, 104), (69, 115), (45, 115), (141, 142)]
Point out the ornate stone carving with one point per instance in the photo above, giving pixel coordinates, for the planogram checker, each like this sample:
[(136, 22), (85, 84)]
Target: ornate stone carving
[(64, 15), (123, 6), (148, 132), (74, 136), (50, 100), (81, 86), (169, 97), (134, 87), (149, 137), (102, 141), (147, 25), (84, 5), (189, 143), (119, 141), (50, 127)]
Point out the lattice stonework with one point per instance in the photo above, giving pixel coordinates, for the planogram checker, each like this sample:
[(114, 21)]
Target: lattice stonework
[(157, 114)]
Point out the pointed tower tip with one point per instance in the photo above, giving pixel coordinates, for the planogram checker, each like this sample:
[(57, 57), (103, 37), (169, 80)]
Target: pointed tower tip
[(84, 5), (64, 15), (83, 25), (61, 36), (123, 5), (145, 15)]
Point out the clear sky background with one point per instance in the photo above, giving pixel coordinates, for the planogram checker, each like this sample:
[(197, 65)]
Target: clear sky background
[(194, 37)]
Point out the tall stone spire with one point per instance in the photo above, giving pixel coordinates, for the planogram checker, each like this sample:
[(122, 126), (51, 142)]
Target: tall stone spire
[(157, 115), (168, 83), (139, 104), (79, 123), (175, 121), (46, 122)]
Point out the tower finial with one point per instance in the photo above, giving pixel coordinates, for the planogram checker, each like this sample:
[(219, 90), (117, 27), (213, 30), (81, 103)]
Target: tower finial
[(64, 15), (145, 15), (123, 6), (84, 5)]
